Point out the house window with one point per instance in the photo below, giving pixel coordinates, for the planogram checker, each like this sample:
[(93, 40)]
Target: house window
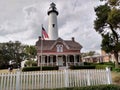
[(59, 48)]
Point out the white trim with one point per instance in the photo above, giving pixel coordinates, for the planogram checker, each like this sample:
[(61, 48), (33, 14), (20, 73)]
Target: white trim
[(63, 42)]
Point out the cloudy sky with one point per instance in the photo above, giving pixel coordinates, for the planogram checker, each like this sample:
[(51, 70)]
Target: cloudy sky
[(21, 20)]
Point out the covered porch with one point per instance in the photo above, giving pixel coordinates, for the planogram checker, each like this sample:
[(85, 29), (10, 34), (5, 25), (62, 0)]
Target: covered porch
[(59, 60)]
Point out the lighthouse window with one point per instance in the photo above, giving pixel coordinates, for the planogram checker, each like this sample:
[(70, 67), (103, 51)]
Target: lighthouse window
[(53, 25), (59, 48)]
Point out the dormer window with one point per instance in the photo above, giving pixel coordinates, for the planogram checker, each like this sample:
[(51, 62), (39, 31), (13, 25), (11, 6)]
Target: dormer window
[(59, 48)]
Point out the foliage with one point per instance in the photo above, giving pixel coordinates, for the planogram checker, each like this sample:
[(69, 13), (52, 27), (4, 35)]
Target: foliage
[(30, 63), (107, 24), (116, 69), (104, 66), (90, 53), (87, 63), (15, 52), (35, 68), (97, 87), (83, 67), (104, 63), (11, 51), (30, 51), (101, 65)]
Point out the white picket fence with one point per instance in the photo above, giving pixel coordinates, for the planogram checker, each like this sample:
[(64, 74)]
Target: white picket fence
[(53, 79)]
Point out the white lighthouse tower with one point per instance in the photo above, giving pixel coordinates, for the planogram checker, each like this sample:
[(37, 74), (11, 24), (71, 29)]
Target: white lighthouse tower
[(52, 22)]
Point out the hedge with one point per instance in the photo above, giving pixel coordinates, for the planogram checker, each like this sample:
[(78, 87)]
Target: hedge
[(35, 68), (87, 63), (116, 69), (103, 66), (98, 87), (82, 67)]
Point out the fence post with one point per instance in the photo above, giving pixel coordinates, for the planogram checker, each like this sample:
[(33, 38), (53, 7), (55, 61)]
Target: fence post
[(66, 78), (88, 78), (18, 80), (109, 78)]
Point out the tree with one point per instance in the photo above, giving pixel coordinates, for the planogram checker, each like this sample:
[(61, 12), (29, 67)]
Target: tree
[(90, 53), (15, 52), (11, 51), (30, 63), (4, 57), (30, 51), (107, 24)]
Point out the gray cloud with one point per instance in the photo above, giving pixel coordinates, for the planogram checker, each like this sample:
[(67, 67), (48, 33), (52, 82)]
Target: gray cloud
[(21, 20)]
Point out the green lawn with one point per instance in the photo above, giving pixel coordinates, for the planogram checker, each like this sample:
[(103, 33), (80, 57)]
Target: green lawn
[(6, 71)]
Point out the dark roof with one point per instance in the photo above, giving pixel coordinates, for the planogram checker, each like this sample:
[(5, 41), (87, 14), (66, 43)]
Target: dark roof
[(48, 44)]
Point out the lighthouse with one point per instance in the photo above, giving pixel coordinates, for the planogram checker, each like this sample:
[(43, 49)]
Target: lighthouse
[(52, 22)]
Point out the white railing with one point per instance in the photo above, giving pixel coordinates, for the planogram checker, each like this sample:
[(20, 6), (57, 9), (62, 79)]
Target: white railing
[(53, 79)]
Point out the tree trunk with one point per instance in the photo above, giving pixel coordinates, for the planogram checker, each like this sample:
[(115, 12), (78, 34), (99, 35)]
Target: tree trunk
[(116, 59)]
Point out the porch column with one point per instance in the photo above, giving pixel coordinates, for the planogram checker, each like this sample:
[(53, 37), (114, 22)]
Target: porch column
[(38, 60), (43, 60), (66, 60), (51, 60), (74, 60), (57, 60)]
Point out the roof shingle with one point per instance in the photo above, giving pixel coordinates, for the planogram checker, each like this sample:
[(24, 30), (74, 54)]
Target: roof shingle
[(47, 44)]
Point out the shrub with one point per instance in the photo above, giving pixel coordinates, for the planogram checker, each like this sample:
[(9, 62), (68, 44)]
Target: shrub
[(103, 66), (116, 69), (98, 87), (106, 63), (35, 68), (83, 67), (87, 63), (31, 63)]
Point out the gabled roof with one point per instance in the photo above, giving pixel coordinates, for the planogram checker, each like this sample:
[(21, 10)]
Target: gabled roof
[(49, 44), (59, 40)]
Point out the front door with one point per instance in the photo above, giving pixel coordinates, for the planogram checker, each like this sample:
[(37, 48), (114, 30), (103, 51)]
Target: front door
[(60, 61)]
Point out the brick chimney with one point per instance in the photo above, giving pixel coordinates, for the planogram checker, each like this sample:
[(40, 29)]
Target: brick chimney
[(39, 37), (73, 39)]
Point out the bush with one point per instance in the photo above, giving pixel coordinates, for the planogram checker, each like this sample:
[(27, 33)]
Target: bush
[(3, 66), (106, 63), (116, 69), (87, 63), (98, 87), (35, 68), (83, 67), (31, 63), (103, 66)]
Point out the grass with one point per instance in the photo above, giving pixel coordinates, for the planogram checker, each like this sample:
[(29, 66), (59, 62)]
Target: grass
[(116, 78), (7, 71)]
